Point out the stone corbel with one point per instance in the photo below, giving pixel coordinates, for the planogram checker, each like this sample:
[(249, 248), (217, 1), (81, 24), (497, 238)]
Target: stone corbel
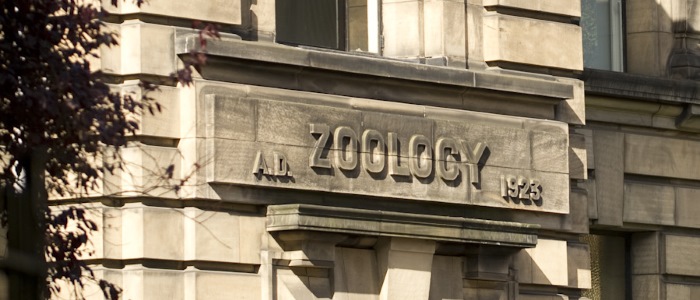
[(309, 248)]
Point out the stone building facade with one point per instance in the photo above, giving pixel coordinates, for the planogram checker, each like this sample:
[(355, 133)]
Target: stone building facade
[(413, 149)]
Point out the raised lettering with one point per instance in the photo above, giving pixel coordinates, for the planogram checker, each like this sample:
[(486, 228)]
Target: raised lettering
[(420, 162), (315, 159), (395, 168), (472, 155), (373, 161), (535, 190), (345, 153), (280, 164), (259, 165), (445, 149)]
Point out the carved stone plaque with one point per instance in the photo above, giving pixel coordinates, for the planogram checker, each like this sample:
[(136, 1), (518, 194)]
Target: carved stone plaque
[(441, 155)]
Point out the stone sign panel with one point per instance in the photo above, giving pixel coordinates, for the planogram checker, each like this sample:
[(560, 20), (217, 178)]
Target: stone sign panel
[(464, 158)]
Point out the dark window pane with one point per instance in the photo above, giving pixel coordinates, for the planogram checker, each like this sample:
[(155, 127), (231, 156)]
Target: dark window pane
[(310, 22)]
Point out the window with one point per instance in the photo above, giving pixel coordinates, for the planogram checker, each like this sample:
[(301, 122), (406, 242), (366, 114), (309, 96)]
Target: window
[(351, 25), (603, 34)]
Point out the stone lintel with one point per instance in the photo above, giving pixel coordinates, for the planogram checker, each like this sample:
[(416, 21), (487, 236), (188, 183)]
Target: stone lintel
[(299, 61), (351, 221)]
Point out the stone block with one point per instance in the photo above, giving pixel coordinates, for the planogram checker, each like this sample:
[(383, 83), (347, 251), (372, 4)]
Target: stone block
[(503, 151), (649, 204), (144, 283), (297, 284), (405, 267), (230, 118), (578, 156), (446, 278), (573, 110), (401, 28), (646, 287), (152, 233), (550, 152), (579, 265), (558, 7), (547, 263), (222, 236), (219, 11), (486, 290), (356, 275), (645, 253), (145, 172), (681, 255), (509, 39), (284, 127), (677, 291), (223, 285), (444, 29), (164, 123), (662, 156), (578, 218), (687, 207), (608, 147), (143, 49)]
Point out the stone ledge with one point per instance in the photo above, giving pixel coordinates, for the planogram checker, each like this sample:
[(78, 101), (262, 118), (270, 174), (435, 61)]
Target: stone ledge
[(302, 217), (639, 87), (301, 60)]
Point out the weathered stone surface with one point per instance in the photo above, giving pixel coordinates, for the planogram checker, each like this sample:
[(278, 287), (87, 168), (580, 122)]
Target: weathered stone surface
[(579, 265), (608, 147), (573, 110), (356, 275), (681, 255), (222, 236), (150, 232), (549, 154), (162, 123), (298, 284), (559, 7), (144, 174), (687, 207), (145, 283), (446, 277), (645, 253), (401, 28), (405, 267), (444, 29), (508, 39), (542, 89), (544, 264), (646, 287), (578, 158), (222, 285), (662, 156), (285, 128), (578, 218), (486, 289), (292, 217), (220, 11), (143, 48), (649, 204)]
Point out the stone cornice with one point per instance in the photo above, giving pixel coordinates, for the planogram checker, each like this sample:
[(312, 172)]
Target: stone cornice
[(228, 53), (351, 221)]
